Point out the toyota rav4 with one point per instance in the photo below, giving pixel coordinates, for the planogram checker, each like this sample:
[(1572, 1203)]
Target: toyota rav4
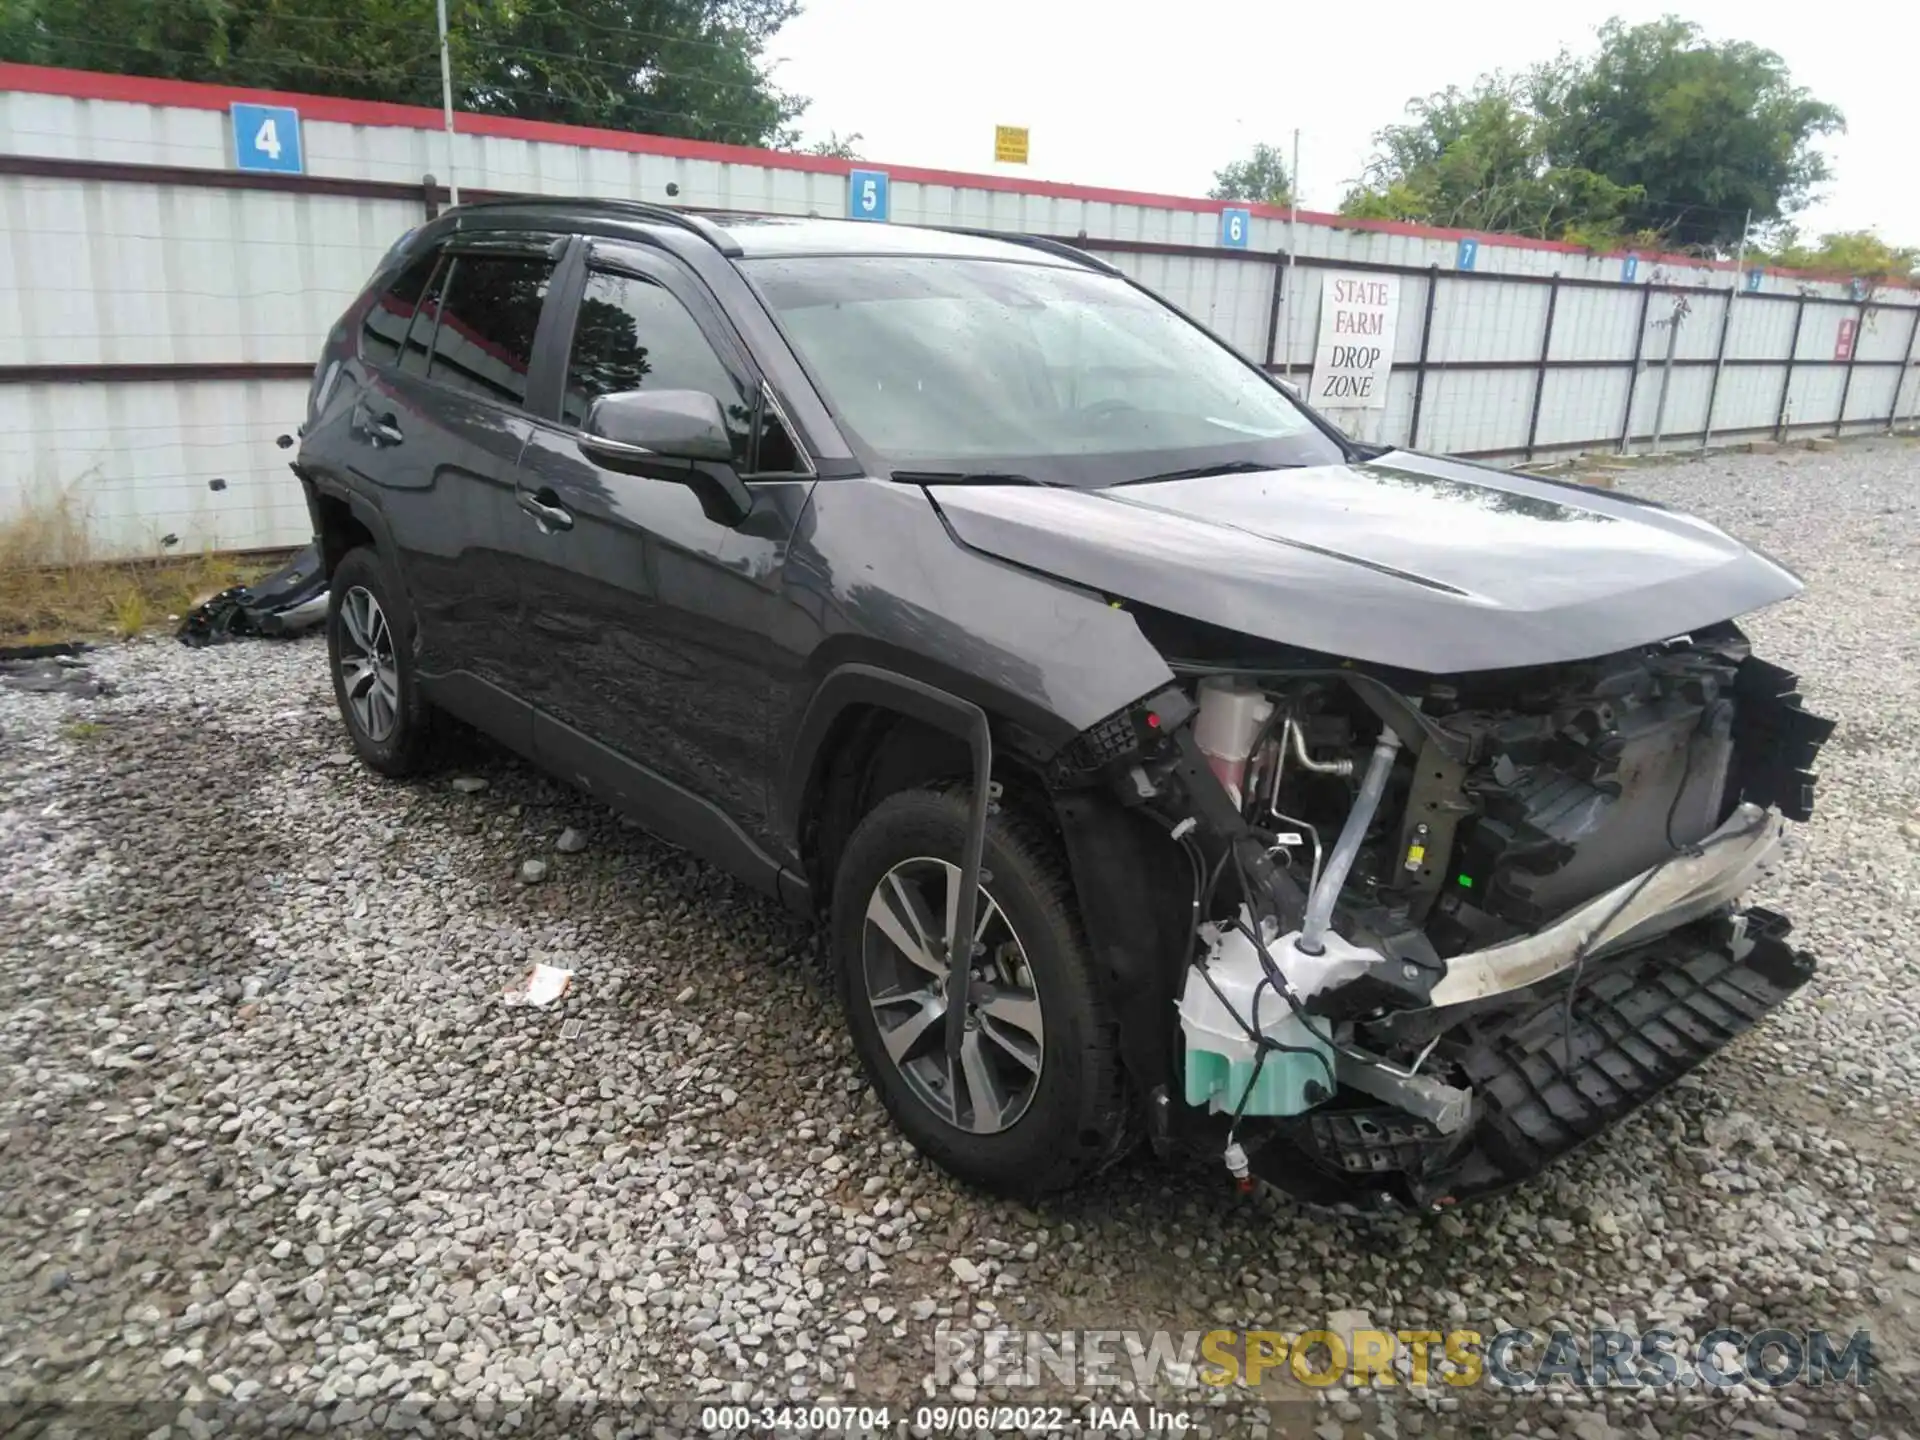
[(1163, 763)]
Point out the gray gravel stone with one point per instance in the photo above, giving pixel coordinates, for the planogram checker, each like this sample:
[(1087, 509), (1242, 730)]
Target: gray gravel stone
[(359, 1177)]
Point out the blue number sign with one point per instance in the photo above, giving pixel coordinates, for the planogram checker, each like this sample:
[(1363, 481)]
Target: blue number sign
[(1235, 228), (1629, 268), (267, 137), (1468, 252), (1754, 279), (866, 195)]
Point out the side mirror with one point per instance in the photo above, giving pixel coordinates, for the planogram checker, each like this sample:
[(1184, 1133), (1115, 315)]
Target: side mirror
[(675, 435), (639, 426)]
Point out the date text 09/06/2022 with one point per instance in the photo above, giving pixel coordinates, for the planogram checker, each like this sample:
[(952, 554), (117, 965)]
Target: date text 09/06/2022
[(940, 1419)]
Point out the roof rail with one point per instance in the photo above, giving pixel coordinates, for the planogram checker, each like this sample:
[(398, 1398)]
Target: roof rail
[(638, 209), (1063, 249)]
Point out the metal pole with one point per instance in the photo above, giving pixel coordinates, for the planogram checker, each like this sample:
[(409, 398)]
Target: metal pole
[(1666, 370), (1282, 262), (1633, 373), (1540, 375), (1913, 413), (1420, 369), (1293, 238), (1786, 380), (1726, 323), (446, 101), (1846, 385), (1894, 409), (1719, 361)]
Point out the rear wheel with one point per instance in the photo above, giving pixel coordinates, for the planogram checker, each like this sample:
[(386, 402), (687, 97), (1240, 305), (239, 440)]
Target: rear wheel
[(387, 718), (1033, 1099)]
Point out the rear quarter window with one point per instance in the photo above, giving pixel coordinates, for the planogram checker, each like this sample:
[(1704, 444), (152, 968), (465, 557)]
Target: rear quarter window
[(384, 331)]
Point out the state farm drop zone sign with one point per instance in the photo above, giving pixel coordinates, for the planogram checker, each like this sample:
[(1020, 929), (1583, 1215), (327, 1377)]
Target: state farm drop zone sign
[(1355, 353)]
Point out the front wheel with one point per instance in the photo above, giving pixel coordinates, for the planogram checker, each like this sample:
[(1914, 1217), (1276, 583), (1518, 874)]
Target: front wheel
[(1033, 1098), (387, 718)]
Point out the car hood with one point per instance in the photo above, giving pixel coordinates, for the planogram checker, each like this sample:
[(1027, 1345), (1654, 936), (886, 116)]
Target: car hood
[(1409, 560)]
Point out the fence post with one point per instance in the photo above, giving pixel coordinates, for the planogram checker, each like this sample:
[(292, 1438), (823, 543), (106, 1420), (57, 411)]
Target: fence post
[(1282, 266), (1540, 375), (1900, 383), (1786, 381), (1633, 372), (1420, 367), (430, 196), (1846, 385), (1719, 359), (1680, 308)]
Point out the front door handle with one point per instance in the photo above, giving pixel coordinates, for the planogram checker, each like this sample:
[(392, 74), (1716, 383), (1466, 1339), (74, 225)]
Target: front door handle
[(547, 511), (383, 429)]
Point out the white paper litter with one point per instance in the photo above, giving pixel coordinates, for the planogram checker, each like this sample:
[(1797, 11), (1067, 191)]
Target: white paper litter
[(539, 987)]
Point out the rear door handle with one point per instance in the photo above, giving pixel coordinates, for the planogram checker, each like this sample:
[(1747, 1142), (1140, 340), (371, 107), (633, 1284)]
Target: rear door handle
[(545, 507), (385, 429)]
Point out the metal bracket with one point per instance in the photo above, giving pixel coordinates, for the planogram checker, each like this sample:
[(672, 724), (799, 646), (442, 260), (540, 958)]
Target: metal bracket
[(1445, 1106)]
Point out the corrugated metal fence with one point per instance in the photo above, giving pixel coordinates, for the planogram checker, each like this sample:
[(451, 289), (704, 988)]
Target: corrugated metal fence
[(169, 306)]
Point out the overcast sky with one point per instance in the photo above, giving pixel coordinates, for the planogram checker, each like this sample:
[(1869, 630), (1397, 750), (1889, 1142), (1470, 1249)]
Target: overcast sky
[(1156, 97)]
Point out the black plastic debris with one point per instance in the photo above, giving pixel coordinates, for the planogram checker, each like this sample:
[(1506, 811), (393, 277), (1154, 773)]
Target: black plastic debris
[(290, 600), (59, 673)]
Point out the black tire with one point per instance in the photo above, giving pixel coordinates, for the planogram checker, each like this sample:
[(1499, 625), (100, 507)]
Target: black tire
[(401, 750), (1077, 1117)]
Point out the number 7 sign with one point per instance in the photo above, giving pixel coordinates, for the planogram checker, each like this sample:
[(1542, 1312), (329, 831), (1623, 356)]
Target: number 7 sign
[(267, 137)]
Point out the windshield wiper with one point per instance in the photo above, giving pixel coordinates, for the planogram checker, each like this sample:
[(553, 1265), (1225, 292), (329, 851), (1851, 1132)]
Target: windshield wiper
[(1202, 472), (965, 477)]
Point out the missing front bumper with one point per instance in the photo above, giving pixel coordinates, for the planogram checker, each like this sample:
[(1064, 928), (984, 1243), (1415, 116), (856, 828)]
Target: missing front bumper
[(1640, 1020)]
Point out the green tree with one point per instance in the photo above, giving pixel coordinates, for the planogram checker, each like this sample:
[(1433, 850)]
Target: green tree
[(837, 146), (694, 69), (1659, 136), (1261, 177), (1706, 132), (1860, 254), (1477, 160)]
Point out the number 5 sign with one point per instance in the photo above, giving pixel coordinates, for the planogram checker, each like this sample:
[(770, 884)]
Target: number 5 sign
[(867, 195), (267, 137)]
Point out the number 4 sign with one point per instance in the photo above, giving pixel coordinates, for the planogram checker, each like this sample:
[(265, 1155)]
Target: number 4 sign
[(267, 137)]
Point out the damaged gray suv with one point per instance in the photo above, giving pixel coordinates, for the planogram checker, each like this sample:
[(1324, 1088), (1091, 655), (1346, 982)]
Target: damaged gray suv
[(1165, 765)]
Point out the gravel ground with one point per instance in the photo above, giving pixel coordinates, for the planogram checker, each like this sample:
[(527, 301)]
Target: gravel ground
[(270, 1134)]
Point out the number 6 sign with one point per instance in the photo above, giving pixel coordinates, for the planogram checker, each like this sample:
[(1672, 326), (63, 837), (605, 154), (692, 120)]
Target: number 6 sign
[(267, 137), (867, 195), (1235, 226)]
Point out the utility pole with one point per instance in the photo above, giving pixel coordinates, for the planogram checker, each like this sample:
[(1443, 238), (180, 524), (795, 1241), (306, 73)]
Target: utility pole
[(1293, 248), (1726, 324), (446, 101)]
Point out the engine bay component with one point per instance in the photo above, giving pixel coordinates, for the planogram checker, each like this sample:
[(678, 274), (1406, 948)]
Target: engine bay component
[(1352, 835), (1248, 1050), (1533, 889), (1720, 869), (1232, 714)]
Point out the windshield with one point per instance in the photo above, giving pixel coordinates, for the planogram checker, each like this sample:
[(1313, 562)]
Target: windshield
[(1066, 376)]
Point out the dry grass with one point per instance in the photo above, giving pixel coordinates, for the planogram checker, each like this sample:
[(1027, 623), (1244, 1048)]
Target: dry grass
[(53, 587)]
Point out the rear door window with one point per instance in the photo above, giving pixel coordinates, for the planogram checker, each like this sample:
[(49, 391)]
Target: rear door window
[(489, 311)]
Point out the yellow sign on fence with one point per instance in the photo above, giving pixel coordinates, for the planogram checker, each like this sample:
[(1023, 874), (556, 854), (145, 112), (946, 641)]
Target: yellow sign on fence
[(1010, 144)]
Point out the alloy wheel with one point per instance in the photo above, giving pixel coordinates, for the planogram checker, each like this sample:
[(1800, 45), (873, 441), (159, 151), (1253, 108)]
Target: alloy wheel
[(369, 678), (909, 921)]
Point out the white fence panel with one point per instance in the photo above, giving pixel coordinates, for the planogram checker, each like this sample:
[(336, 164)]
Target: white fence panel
[(223, 287)]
